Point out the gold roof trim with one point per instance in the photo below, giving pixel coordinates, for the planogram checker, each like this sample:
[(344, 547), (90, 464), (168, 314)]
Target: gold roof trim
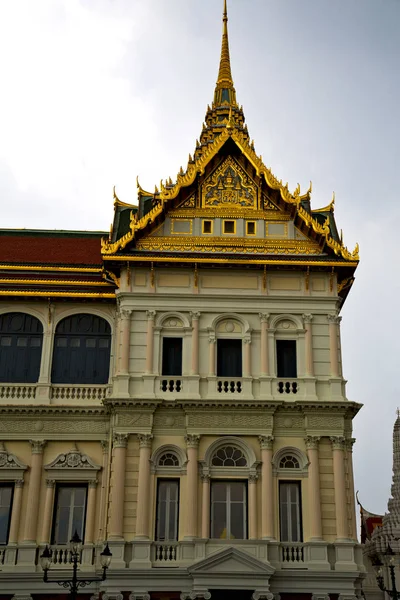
[(54, 282), (56, 294), (224, 245), (188, 178), (328, 208), (118, 202), (44, 268), (227, 260), (229, 213)]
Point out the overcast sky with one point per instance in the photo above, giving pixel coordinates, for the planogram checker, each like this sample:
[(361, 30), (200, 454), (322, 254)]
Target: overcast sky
[(95, 92)]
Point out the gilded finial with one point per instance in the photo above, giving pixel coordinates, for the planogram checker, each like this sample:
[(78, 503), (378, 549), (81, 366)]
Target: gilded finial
[(230, 123), (190, 158), (341, 237), (224, 91), (156, 189), (310, 188)]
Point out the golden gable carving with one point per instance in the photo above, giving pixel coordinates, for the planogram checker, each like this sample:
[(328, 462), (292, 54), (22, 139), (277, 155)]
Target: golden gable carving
[(230, 186)]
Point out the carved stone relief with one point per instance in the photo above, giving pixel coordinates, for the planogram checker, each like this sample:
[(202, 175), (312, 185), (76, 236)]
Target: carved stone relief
[(325, 422), (289, 422), (130, 420), (235, 420), (61, 425)]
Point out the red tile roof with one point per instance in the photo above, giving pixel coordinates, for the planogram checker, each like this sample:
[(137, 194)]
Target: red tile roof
[(42, 247)]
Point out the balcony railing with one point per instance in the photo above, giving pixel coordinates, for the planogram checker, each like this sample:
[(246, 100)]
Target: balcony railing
[(61, 555), (18, 391), (288, 386), (229, 386), (81, 392), (165, 554), (292, 554), (171, 385)]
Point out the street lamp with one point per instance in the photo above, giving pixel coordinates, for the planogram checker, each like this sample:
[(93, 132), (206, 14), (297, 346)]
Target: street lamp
[(389, 560), (74, 584)]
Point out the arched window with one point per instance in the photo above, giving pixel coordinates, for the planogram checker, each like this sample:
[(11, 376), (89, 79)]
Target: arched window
[(169, 459), (289, 462), (229, 456), (20, 348), (229, 334), (81, 350)]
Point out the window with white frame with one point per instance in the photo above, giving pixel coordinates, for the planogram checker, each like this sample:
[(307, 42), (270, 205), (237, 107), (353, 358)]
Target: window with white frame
[(229, 510), (167, 510), (290, 511), (229, 348), (69, 513), (6, 496)]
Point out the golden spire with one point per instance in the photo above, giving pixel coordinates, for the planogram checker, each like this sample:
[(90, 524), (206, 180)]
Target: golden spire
[(224, 91)]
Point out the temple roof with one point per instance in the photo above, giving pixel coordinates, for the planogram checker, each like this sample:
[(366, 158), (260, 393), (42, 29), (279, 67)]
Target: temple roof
[(225, 155)]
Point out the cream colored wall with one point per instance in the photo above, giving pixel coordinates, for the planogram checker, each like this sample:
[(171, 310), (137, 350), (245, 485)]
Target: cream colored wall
[(327, 490)]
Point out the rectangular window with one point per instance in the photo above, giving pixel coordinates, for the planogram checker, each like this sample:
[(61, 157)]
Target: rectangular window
[(229, 227), (250, 228), (229, 357), (70, 512), (229, 510), (172, 356), (6, 494), (286, 358), (207, 227), (290, 511), (167, 510)]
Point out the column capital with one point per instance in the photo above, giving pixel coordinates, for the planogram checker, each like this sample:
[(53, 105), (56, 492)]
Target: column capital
[(247, 340), (264, 317), (211, 336), (37, 446), (19, 483), (205, 477), (126, 313), (349, 444), (333, 319), (266, 442), (307, 318), (120, 440), (263, 596), (104, 446), (145, 440), (151, 314), (338, 442), (253, 477), (192, 440), (195, 316), (312, 442), (50, 483), (93, 483)]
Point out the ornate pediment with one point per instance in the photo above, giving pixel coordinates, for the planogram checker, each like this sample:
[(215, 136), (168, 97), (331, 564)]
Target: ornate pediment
[(229, 186), (9, 462), (233, 562), (72, 465)]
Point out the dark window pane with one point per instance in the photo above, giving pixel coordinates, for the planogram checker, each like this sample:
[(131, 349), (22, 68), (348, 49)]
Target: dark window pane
[(229, 358), (286, 358), (237, 521), (172, 356), (219, 520), (20, 348), (290, 511), (6, 493), (82, 350), (167, 510), (237, 491), (70, 513)]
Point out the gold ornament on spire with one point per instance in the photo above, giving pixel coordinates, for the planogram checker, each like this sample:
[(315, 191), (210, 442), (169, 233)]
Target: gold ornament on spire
[(224, 91)]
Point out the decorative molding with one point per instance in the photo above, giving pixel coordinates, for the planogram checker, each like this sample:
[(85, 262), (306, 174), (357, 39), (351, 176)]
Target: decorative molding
[(104, 446), (233, 420), (145, 440), (133, 420), (288, 422), (253, 477), (120, 440), (19, 483), (195, 316), (50, 483), (312, 442), (266, 442), (264, 317), (138, 596), (338, 442), (126, 313), (325, 422), (192, 440), (9, 461), (55, 425), (151, 315), (169, 420)]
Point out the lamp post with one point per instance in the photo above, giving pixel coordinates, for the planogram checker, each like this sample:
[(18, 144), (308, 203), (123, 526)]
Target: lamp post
[(74, 583), (390, 562)]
